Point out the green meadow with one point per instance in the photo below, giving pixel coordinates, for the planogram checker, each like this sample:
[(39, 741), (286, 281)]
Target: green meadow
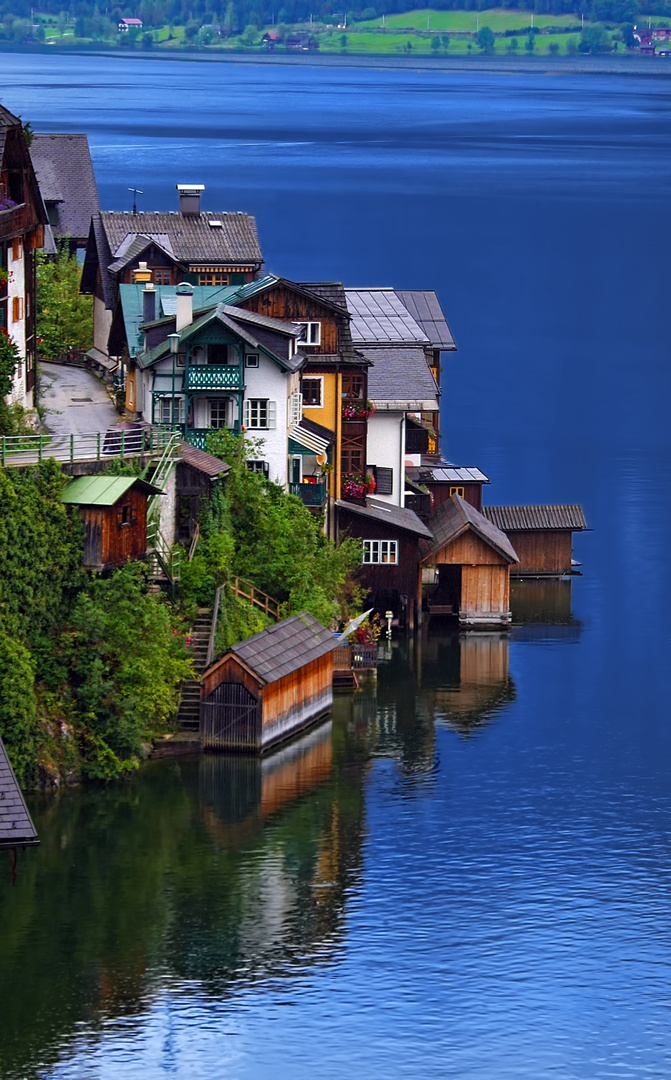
[(497, 19)]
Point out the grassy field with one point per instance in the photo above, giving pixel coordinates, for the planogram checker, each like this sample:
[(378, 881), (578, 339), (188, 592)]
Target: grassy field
[(397, 44), (497, 19)]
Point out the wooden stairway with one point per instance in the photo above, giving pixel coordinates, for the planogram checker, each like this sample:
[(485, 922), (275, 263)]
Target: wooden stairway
[(188, 716)]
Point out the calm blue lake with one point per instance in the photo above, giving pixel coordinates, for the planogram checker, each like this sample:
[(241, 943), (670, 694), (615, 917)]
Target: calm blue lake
[(465, 874)]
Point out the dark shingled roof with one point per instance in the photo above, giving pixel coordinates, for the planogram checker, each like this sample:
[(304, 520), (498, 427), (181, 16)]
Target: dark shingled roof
[(285, 647), (64, 173), (204, 462), (192, 239), (16, 827), (398, 517), (529, 518), (332, 291), (426, 310), (401, 376), (456, 516)]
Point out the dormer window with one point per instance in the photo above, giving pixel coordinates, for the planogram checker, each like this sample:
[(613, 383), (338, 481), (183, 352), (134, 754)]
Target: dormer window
[(311, 333)]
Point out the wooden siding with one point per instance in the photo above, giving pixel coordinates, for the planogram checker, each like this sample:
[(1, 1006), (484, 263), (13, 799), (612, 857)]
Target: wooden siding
[(283, 303), (228, 669), (296, 700), (485, 590), (469, 549), (109, 542), (441, 493), (390, 587), (543, 552)]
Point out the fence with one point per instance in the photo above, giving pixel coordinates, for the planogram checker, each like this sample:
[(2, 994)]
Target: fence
[(93, 446)]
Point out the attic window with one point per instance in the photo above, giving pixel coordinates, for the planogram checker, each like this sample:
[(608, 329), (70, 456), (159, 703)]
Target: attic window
[(214, 223)]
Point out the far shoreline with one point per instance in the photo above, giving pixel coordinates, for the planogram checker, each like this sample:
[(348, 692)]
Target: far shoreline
[(653, 67)]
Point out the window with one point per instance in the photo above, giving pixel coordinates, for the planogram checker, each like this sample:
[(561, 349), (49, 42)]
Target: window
[(313, 392), (260, 413), (295, 408), (218, 353), (17, 308), (352, 387), (218, 412), (311, 333), (380, 551), (260, 467), (17, 248), (384, 481), (213, 277), (252, 360), (162, 277), (351, 461), (125, 515), (457, 491), (165, 411)]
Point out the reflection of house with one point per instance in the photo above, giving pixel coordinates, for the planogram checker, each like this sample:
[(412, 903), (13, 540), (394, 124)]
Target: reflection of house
[(541, 535), (114, 513), (64, 172), (269, 686), (16, 827), (164, 249), (465, 679), (22, 221), (390, 536), (473, 559)]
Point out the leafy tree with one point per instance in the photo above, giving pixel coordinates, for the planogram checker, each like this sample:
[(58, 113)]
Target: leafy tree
[(64, 316), (445, 41), (250, 35), (513, 44), (553, 48), (485, 40), (571, 46), (435, 43), (595, 39), (18, 713), (627, 32), (530, 43)]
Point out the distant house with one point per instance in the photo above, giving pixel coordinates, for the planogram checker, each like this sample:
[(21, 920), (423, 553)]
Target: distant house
[(67, 184), (541, 535), (301, 42), (22, 221), (443, 480), (130, 24), (473, 559), (114, 513), (268, 687), (163, 249), (16, 826)]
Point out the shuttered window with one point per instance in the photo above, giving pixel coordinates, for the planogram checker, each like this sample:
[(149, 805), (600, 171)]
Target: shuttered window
[(384, 481), (260, 413)]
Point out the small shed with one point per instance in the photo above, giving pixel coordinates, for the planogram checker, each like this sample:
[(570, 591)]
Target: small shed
[(473, 558), (541, 535), (114, 512), (197, 476), (16, 826), (268, 687)]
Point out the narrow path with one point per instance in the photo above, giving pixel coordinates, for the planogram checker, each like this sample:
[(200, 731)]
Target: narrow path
[(75, 401)]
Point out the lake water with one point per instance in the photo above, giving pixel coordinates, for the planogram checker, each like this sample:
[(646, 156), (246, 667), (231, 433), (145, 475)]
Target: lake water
[(466, 874)]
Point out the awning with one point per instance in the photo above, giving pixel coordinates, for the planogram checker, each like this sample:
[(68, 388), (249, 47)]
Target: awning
[(163, 384), (101, 358), (308, 439)]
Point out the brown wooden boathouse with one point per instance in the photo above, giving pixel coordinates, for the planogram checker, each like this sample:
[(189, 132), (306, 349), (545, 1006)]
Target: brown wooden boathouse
[(268, 687), (541, 535)]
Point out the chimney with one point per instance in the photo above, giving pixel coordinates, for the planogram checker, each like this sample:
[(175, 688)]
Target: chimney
[(189, 198), (184, 294), (141, 274), (148, 303)]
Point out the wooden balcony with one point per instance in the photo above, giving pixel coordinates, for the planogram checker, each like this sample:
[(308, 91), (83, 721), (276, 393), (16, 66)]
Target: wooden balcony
[(311, 495), (208, 377), (13, 222)]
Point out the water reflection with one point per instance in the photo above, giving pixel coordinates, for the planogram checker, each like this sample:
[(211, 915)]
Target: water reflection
[(542, 611), (464, 679)]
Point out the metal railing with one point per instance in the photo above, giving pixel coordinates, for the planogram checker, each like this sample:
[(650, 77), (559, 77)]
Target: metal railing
[(310, 494), (355, 657), (92, 446)]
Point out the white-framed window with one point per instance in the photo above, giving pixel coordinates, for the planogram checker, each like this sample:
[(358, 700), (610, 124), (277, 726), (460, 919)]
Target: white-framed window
[(380, 551), (252, 360), (295, 408), (311, 333), (260, 467), (218, 412), (313, 391), (164, 410), (260, 413)]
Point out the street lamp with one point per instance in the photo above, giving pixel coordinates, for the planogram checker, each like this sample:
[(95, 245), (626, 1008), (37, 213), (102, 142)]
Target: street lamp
[(174, 349)]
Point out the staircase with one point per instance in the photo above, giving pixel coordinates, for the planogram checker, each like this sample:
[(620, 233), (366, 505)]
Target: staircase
[(188, 716)]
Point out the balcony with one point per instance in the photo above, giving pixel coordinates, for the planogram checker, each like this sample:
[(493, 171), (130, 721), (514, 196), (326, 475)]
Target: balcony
[(208, 377), (13, 221), (311, 495), (198, 436)]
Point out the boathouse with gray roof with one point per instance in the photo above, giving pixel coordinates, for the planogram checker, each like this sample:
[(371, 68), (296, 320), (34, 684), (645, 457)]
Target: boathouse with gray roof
[(541, 535), (16, 826)]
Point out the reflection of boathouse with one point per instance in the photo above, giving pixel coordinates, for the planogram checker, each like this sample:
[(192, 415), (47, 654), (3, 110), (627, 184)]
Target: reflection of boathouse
[(464, 679), (268, 687)]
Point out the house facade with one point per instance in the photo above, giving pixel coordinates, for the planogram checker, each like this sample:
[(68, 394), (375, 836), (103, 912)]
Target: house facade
[(22, 221)]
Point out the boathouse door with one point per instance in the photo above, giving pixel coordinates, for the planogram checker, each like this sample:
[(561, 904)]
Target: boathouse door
[(449, 586), (230, 718)]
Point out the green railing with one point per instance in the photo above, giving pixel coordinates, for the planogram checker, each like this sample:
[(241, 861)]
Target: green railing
[(213, 377), (198, 436), (92, 446), (310, 494)]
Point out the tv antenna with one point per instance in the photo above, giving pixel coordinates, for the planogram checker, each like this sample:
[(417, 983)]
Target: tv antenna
[(136, 191)]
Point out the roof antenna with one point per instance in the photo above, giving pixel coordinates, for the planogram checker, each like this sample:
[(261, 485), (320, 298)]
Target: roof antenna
[(136, 191)]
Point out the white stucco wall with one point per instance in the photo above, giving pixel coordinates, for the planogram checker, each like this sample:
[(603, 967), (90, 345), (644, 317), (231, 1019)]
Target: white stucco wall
[(268, 381), (102, 322), (16, 287), (386, 447)]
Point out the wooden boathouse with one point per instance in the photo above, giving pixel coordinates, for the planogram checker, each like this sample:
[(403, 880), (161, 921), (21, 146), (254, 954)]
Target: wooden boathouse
[(268, 687), (541, 535), (16, 827), (473, 558), (114, 513)]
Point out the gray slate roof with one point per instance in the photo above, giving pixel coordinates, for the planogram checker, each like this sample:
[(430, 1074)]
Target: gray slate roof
[(331, 291), (397, 516), (191, 238), (456, 516), (65, 175), (285, 647), (426, 311), (400, 378), (206, 463), (379, 317), (530, 518), (16, 827)]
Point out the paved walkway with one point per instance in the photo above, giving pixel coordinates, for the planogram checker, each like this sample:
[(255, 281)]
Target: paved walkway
[(75, 401)]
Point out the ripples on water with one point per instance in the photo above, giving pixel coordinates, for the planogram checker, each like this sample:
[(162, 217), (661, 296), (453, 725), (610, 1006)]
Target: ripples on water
[(466, 875)]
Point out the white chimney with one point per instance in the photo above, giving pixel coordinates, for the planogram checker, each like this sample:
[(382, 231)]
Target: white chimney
[(189, 198), (184, 294)]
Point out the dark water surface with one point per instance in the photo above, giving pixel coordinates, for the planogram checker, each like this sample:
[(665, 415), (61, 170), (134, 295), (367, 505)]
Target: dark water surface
[(467, 874)]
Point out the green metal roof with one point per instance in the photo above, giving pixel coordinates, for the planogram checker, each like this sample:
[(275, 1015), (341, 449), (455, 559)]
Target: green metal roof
[(103, 490), (133, 310)]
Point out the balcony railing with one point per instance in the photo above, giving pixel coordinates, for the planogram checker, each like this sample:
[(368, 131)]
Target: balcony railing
[(310, 494), (13, 221), (198, 436), (213, 377)]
